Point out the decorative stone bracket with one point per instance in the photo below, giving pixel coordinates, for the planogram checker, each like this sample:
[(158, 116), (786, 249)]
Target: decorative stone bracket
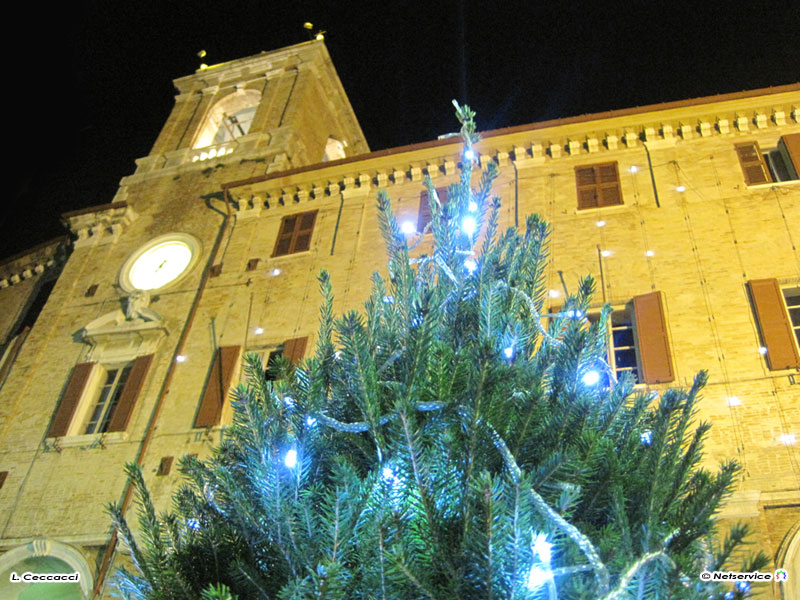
[(99, 224)]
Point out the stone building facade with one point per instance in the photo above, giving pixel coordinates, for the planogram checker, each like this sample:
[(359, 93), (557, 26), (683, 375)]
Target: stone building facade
[(686, 214)]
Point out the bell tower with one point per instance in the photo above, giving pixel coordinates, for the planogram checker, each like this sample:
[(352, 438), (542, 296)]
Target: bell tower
[(285, 108)]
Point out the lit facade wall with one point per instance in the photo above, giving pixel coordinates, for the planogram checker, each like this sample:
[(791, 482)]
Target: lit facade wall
[(681, 220)]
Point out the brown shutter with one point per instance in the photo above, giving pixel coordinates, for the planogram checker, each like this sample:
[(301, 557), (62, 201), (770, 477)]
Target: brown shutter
[(652, 340), (303, 231), (598, 185), (425, 215), (789, 146), (127, 399), (295, 349), (70, 400), (284, 242), (219, 381), (773, 322), (165, 466), (3, 476), (752, 162)]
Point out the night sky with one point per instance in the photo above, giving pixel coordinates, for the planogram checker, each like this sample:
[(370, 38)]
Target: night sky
[(90, 83)]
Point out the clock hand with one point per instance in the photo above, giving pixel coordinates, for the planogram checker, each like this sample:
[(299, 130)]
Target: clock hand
[(158, 268)]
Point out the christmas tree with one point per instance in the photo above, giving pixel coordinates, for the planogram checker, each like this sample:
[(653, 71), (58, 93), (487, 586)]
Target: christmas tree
[(448, 442)]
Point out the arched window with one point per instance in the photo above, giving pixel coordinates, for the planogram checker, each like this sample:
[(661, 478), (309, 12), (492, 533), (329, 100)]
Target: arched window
[(230, 118)]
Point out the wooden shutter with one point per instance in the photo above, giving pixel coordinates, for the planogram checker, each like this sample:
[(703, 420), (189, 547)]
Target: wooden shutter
[(70, 400), (130, 393), (424, 215), (3, 477), (752, 161), (295, 349), (295, 233), (165, 466), (219, 381), (789, 146), (598, 185), (652, 339), (773, 322)]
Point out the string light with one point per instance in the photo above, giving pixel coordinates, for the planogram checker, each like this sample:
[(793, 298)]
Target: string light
[(468, 225), (680, 188), (649, 253), (734, 401), (509, 352), (762, 350), (470, 265), (180, 358), (605, 253), (469, 154), (554, 293), (542, 547), (787, 439), (259, 330), (388, 299), (408, 227), (276, 272), (290, 460), (193, 524), (634, 169), (601, 223), (590, 377), (646, 438), (473, 206), (311, 421)]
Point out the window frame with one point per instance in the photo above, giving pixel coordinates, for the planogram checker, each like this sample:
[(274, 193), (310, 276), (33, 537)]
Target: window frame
[(295, 233), (793, 310), (600, 190), (612, 348), (761, 166), (94, 399)]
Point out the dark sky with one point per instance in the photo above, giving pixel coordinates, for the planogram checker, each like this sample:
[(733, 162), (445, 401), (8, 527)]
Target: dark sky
[(90, 83)]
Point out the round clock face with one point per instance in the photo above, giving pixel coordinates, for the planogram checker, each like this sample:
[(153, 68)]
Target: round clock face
[(160, 262)]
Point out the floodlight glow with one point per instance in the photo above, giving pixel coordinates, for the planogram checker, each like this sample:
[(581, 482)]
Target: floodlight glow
[(734, 401), (554, 293), (291, 458), (605, 253), (787, 439), (180, 358), (680, 188), (470, 265), (408, 227), (276, 272), (634, 169), (649, 253), (468, 225), (762, 350), (259, 330), (590, 377), (601, 223)]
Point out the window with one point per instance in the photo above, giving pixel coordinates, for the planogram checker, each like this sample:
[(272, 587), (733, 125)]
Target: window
[(424, 216), (219, 380), (293, 350), (598, 185), (98, 398), (638, 342), (107, 400), (235, 125), (792, 298), (777, 313), (780, 163), (295, 233)]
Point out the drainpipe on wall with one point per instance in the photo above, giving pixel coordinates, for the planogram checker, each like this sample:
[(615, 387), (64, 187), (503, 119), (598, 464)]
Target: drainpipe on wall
[(108, 555)]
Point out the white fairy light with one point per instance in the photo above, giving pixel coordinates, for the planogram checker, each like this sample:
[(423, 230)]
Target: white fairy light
[(469, 154), (590, 377), (408, 227), (473, 206), (646, 438), (291, 458), (468, 225), (470, 265), (311, 421), (509, 352)]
